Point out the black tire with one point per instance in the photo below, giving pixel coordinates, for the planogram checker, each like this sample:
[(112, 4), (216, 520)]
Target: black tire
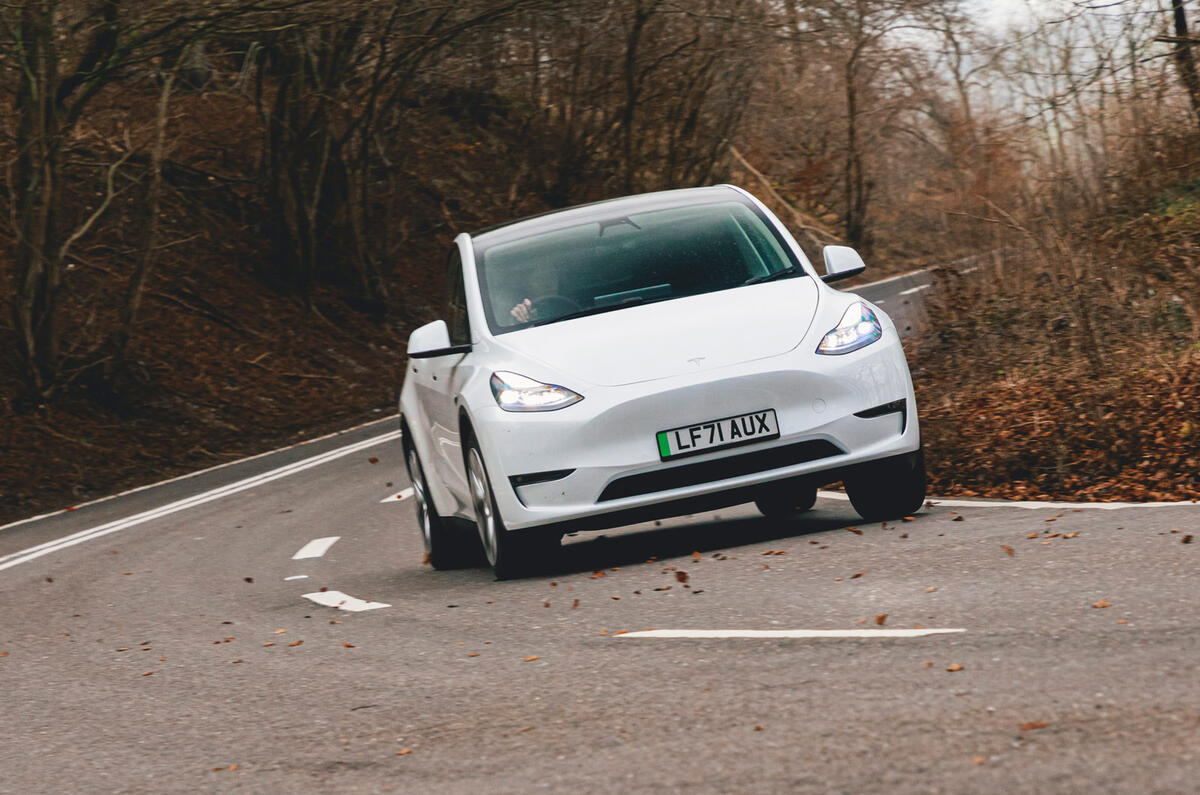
[(786, 499), (510, 553), (446, 547), (890, 488)]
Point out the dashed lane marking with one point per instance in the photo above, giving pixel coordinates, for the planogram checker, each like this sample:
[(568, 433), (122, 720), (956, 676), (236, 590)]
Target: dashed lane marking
[(296, 577), (316, 548), (31, 553), (404, 495), (787, 633), (916, 289), (341, 601)]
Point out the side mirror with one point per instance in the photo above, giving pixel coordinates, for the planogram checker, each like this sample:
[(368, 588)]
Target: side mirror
[(841, 262), (433, 339)]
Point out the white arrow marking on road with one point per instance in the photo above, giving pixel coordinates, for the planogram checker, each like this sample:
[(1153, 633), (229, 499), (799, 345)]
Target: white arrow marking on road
[(341, 601), (787, 633), (316, 548), (25, 555), (404, 495)]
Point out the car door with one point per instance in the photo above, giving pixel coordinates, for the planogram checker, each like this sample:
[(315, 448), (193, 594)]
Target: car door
[(444, 377)]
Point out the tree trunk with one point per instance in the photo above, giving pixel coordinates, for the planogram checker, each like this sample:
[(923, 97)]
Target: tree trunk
[(1185, 60)]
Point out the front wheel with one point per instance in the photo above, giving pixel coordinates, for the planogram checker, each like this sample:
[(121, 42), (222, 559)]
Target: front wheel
[(511, 554), (445, 547), (890, 488)]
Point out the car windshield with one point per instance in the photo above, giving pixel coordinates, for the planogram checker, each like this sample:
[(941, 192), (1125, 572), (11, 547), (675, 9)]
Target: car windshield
[(626, 260)]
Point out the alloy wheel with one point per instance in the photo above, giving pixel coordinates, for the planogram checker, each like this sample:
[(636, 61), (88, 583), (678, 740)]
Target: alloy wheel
[(420, 499), (481, 499)]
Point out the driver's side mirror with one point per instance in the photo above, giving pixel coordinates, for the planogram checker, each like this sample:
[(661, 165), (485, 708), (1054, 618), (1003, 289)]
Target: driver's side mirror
[(841, 262), (433, 339)]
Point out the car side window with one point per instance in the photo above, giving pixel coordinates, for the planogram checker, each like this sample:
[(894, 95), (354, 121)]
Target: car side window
[(456, 301)]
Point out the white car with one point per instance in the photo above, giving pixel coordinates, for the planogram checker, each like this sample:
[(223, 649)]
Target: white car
[(646, 357)]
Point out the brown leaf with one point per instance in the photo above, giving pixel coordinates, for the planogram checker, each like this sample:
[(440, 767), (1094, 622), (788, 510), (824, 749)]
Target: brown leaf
[(954, 668), (473, 654), (280, 631), (681, 576), (1032, 535), (269, 643), (425, 559), (957, 518), (596, 575), (531, 658), (1034, 724), (232, 767), (759, 728), (978, 759), (858, 574), (1070, 535), (49, 579), (1052, 535), (910, 519), (854, 530), (404, 752), (248, 579), (615, 598), (545, 604), (931, 589), (695, 555), (295, 643), (148, 673), (372, 460), (1102, 603), (237, 661), (928, 665), (575, 604), (1008, 550), (1187, 539), (879, 619), (904, 535), (347, 645), (765, 566)]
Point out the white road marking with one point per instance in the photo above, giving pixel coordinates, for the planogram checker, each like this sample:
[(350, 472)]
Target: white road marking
[(296, 577), (340, 601), (26, 555), (39, 517), (404, 495), (1032, 504), (787, 633), (316, 548), (890, 279), (916, 289), (971, 270)]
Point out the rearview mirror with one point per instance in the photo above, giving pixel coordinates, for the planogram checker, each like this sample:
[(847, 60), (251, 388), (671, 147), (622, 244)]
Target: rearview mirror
[(433, 339), (841, 262)]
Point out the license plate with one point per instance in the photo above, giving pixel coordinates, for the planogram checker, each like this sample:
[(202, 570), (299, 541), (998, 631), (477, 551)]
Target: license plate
[(717, 434)]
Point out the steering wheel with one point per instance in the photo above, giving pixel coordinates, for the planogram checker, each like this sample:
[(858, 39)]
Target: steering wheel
[(550, 306)]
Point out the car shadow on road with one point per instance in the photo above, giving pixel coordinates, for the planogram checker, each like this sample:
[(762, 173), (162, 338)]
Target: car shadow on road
[(705, 536)]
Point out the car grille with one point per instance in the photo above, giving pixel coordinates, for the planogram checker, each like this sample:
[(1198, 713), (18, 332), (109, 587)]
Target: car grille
[(721, 469)]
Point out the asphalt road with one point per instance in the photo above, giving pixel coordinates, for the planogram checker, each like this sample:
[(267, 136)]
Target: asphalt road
[(166, 646)]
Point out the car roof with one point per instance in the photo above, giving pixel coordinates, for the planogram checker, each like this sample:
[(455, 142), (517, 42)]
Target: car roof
[(602, 210)]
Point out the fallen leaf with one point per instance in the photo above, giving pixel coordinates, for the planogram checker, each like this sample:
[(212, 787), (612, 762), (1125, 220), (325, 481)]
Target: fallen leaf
[(860, 621), (931, 589), (1102, 603), (545, 604), (695, 555), (1052, 519), (954, 668), (347, 645), (425, 559), (768, 552), (526, 729), (1032, 535), (621, 632), (237, 661), (615, 598), (226, 622), (1122, 621), (759, 728), (280, 631), (596, 575), (269, 643), (781, 552), (879, 619), (904, 535), (1187, 539), (858, 574), (531, 658), (765, 566), (837, 579), (473, 654), (295, 643), (232, 767), (248, 579), (230, 640), (1052, 535), (404, 752), (372, 460), (681, 576), (334, 621), (854, 530), (49, 579), (123, 648), (663, 588), (910, 519), (1008, 550), (928, 665), (148, 673), (957, 519), (575, 604), (1070, 535), (162, 659), (604, 632), (978, 759), (1034, 724)]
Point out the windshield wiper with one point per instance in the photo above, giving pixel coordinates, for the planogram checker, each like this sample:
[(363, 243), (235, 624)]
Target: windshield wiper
[(770, 277), (594, 310)]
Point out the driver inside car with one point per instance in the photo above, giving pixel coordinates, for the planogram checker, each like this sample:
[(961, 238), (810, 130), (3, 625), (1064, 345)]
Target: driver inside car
[(541, 282)]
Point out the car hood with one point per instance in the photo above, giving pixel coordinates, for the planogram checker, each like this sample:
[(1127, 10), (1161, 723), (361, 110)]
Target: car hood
[(670, 338)]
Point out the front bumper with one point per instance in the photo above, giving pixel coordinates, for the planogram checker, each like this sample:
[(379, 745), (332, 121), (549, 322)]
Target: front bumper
[(606, 443)]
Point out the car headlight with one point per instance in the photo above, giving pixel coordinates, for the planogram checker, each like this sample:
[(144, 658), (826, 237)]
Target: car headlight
[(858, 328), (517, 393)]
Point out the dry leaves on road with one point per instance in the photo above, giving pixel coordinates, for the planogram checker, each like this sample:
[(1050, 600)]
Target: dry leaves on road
[(879, 619), (1008, 550), (1102, 603), (978, 759), (681, 576), (295, 643), (954, 668), (1187, 539), (404, 752), (854, 530), (531, 658), (957, 519), (858, 574), (1034, 724)]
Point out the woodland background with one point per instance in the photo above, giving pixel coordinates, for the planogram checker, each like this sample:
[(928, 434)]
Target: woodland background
[(222, 217)]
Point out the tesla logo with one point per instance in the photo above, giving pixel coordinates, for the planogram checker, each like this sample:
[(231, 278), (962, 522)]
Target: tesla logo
[(696, 361)]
